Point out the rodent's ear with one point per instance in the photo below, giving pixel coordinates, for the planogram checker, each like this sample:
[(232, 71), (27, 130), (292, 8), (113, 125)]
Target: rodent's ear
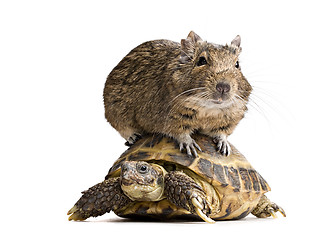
[(236, 41), (194, 37), (187, 50), (188, 47)]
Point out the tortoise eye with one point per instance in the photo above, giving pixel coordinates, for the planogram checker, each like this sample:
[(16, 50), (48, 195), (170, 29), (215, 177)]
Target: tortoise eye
[(201, 61), (143, 169)]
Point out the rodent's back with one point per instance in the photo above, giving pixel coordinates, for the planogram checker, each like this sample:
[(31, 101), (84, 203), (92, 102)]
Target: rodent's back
[(139, 78), (143, 61)]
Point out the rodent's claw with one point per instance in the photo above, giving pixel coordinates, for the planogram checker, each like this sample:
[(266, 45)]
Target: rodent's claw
[(133, 139), (224, 148), (223, 145), (190, 148), (197, 146)]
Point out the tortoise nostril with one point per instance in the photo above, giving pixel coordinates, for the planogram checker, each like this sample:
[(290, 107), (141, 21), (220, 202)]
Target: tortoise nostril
[(124, 168), (223, 87)]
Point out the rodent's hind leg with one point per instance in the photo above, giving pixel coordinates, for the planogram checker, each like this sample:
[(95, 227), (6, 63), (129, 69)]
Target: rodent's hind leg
[(186, 142), (222, 144), (133, 139)]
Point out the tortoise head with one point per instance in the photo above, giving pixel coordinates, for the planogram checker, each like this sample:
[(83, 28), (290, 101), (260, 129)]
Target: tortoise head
[(142, 181)]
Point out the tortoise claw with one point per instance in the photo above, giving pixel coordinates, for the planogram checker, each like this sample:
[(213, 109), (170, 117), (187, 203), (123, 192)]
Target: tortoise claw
[(77, 214), (282, 212), (276, 208), (72, 210), (199, 210), (272, 213)]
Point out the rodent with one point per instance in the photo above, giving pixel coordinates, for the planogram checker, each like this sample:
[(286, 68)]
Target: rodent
[(177, 89)]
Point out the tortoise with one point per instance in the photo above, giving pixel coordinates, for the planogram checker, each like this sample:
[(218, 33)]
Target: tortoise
[(153, 179)]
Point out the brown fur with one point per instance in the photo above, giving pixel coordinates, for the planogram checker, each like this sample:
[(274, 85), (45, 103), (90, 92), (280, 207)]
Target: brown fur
[(149, 91)]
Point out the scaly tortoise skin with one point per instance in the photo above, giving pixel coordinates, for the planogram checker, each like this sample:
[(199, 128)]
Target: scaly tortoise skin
[(232, 186)]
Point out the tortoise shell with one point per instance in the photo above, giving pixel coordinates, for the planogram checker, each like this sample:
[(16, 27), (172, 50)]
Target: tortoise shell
[(238, 185)]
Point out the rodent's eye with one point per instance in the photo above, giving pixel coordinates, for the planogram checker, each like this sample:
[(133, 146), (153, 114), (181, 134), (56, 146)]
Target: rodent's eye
[(143, 169), (201, 61), (237, 64)]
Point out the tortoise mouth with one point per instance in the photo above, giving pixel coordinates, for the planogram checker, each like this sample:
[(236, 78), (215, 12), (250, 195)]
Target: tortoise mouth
[(127, 182), (130, 179), (142, 192)]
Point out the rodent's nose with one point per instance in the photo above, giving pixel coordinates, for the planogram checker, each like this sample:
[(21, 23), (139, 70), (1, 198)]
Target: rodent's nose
[(223, 87)]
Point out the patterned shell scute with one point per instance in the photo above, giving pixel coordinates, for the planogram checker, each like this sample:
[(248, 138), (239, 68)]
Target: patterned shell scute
[(233, 172), (237, 175)]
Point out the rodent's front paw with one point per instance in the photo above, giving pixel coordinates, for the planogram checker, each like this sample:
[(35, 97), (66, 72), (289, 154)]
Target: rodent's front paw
[(186, 142), (222, 144)]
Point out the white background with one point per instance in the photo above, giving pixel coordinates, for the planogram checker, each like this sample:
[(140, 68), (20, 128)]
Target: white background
[(55, 142)]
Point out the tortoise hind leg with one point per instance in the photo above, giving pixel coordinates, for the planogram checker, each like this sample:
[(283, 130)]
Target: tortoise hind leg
[(183, 191), (98, 200), (265, 208)]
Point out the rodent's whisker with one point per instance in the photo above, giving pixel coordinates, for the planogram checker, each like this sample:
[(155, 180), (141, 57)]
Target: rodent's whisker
[(200, 96), (178, 104), (251, 103), (263, 91), (193, 89), (254, 105), (264, 102), (238, 100)]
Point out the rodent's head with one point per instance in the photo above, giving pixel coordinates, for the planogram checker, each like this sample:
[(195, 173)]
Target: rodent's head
[(211, 73)]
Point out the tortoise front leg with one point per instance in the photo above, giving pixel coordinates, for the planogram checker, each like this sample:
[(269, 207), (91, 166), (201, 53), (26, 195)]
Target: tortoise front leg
[(183, 191), (265, 208), (98, 200)]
